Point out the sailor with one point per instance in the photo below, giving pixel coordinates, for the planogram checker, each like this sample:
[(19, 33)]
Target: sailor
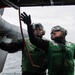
[(38, 56)]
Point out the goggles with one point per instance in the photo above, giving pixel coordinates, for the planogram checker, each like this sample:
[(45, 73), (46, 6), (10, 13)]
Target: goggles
[(37, 26), (55, 29), (59, 28)]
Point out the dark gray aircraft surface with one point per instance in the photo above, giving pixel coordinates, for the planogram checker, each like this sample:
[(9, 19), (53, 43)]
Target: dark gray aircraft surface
[(10, 30), (22, 3), (8, 33)]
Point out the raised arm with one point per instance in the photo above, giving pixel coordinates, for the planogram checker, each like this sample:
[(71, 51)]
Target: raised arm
[(40, 43), (12, 47)]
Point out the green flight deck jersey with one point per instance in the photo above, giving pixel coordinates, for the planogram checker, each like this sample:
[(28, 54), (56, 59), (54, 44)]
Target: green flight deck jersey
[(38, 56), (61, 62)]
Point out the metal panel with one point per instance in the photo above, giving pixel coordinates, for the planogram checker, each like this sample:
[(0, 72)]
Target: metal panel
[(22, 3)]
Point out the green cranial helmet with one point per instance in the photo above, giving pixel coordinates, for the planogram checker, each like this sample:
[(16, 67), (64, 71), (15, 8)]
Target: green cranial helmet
[(37, 25), (40, 26), (59, 28)]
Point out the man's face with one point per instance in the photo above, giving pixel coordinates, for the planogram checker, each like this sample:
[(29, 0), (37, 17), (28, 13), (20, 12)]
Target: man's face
[(56, 34), (38, 32)]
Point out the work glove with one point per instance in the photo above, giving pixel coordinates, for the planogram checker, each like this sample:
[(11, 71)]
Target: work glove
[(26, 18)]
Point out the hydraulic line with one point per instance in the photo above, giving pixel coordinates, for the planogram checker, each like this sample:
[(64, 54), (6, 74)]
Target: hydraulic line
[(31, 61)]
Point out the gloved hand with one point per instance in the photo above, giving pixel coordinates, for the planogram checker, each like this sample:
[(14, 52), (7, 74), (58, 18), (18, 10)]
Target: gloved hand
[(26, 18)]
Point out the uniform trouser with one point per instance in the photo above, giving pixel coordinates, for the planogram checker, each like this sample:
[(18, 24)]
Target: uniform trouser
[(28, 73)]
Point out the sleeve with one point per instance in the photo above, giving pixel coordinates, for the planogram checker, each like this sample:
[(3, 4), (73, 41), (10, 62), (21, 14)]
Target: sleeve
[(12, 47), (74, 51), (38, 42)]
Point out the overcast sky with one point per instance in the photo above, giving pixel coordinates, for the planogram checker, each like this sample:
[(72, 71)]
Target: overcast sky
[(48, 16)]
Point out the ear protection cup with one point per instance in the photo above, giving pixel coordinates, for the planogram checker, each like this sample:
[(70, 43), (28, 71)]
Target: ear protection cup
[(43, 33), (65, 32)]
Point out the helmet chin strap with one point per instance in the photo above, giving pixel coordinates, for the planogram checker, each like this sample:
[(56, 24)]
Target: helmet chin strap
[(60, 40), (40, 36), (31, 61)]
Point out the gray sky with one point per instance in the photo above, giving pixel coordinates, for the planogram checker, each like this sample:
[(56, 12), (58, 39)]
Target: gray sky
[(49, 16)]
